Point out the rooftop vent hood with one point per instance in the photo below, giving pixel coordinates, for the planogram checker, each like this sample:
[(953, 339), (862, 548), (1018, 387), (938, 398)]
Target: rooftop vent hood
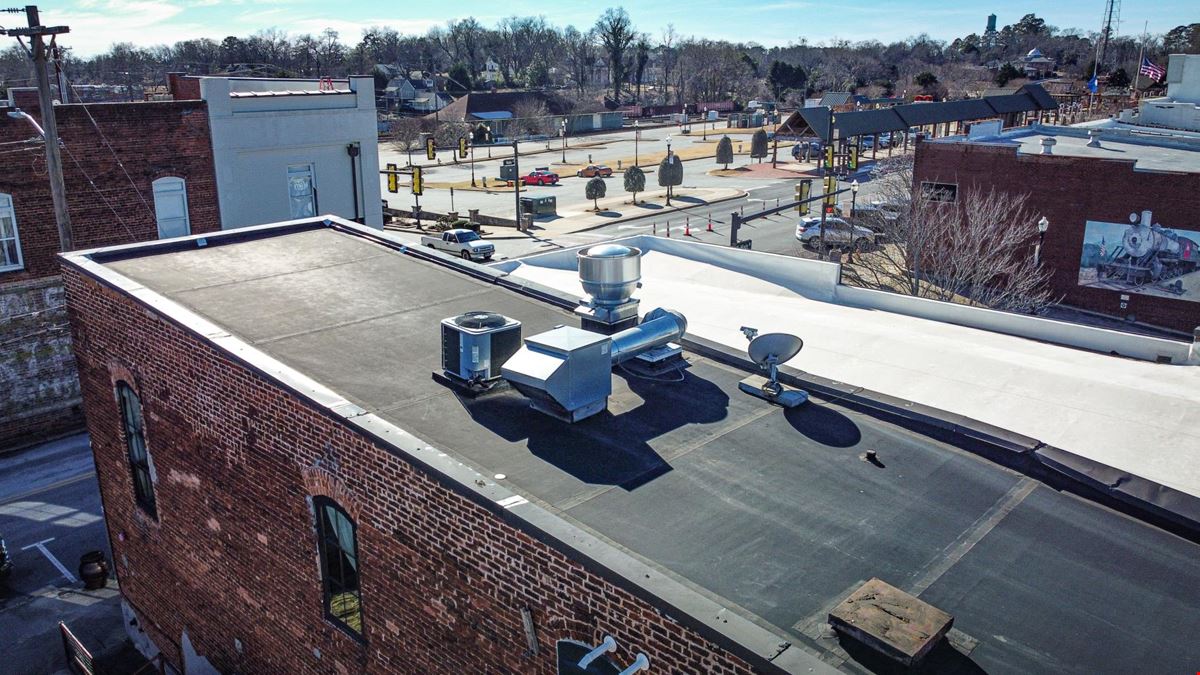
[(609, 273), (567, 372)]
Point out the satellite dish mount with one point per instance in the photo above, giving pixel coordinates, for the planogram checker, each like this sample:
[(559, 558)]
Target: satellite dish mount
[(769, 351)]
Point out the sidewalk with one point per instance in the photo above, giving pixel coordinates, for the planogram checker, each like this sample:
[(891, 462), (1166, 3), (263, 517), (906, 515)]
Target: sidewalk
[(615, 209)]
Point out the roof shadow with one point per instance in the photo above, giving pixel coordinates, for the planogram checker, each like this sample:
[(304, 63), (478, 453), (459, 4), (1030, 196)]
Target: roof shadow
[(943, 659), (824, 425), (608, 448)]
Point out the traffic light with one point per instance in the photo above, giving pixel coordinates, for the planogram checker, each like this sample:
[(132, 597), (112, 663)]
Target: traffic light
[(430, 151), (803, 191), (831, 186), (829, 157), (418, 186), (462, 147), (393, 179), (852, 162)]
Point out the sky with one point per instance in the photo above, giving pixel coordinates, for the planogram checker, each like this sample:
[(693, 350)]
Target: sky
[(96, 24)]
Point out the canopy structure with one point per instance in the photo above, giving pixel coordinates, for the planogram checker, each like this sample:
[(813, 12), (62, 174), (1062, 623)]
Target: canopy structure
[(816, 121)]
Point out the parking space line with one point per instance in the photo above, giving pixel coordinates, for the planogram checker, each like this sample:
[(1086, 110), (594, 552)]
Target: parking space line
[(41, 546), (45, 488)]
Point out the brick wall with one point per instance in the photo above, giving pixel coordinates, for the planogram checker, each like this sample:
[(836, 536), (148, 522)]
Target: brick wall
[(1069, 191), (148, 141), (38, 395), (233, 557), (39, 392)]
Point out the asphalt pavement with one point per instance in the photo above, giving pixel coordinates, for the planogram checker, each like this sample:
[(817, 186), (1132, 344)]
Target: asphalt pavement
[(50, 514)]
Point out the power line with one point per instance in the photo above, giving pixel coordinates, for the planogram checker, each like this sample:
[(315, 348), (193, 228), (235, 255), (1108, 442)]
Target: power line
[(111, 150)]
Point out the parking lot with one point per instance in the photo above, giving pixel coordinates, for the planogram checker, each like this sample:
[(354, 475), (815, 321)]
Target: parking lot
[(50, 514)]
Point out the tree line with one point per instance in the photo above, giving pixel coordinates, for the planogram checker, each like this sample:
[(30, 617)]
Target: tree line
[(617, 59)]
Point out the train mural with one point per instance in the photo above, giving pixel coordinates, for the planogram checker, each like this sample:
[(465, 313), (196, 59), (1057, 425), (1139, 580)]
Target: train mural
[(1141, 257)]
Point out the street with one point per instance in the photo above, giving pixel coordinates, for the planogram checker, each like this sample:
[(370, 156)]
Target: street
[(772, 234), (50, 514)]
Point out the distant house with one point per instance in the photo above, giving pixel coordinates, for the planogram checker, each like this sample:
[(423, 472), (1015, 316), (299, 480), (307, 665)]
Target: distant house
[(491, 72), (1035, 65), (843, 100), (414, 93)]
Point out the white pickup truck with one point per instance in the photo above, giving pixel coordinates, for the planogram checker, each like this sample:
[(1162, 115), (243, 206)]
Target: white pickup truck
[(463, 243)]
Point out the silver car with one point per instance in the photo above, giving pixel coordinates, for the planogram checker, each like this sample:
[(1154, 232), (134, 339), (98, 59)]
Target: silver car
[(838, 232)]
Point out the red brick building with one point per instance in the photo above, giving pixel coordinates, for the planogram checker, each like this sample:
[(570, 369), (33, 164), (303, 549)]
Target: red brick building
[(133, 172), (1092, 196)]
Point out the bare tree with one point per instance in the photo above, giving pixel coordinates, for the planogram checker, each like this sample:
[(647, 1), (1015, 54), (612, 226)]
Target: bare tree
[(532, 117), (580, 51), (615, 31), (973, 247), (406, 135)]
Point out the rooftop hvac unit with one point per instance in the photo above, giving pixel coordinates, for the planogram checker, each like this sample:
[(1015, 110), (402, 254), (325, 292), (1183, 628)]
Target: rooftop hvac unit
[(476, 344)]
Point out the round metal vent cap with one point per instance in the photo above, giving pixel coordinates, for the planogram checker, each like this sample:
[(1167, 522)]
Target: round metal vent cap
[(609, 251), (479, 320)]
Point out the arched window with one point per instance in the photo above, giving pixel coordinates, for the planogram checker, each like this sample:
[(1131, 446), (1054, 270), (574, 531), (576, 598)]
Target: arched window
[(135, 442), (338, 547), (171, 208), (10, 243)]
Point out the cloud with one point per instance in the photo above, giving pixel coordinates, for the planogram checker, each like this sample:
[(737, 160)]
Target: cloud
[(350, 31)]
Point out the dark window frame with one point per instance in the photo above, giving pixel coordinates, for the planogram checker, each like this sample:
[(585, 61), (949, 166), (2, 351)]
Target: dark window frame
[(943, 193), (133, 427), (341, 567)]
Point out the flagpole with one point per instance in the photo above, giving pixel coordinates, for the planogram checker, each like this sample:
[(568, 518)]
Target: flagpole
[(1141, 60)]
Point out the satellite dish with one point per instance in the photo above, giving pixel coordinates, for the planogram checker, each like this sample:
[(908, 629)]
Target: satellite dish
[(774, 348), (768, 351)]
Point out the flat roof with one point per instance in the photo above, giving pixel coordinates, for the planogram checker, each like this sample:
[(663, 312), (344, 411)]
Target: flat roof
[(770, 513), (1178, 154)]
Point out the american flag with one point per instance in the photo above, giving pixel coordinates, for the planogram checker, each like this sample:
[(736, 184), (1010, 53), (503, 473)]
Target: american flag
[(1150, 70)]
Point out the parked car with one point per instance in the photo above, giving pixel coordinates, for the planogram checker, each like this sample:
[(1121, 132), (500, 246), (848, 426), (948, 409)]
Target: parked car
[(813, 147), (838, 232), (877, 210), (593, 170), (540, 177), (867, 142), (466, 244)]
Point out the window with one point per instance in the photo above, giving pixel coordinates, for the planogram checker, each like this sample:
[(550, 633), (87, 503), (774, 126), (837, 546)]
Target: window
[(939, 192), (135, 440), (302, 194), (171, 208), (10, 244), (338, 548)]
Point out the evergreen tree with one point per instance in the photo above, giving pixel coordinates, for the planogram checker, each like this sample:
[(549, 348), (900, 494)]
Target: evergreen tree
[(635, 181), (725, 150), (595, 189), (670, 174), (758, 145)]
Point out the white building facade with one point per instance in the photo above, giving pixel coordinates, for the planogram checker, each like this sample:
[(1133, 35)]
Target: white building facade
[(1180, 108), (287, 149)]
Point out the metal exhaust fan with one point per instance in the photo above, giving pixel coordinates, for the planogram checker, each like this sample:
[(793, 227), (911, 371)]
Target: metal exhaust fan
[(769, 351)]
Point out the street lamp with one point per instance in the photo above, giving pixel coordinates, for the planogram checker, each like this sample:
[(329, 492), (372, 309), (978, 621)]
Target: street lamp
[(563, 131), (853, 196), (1042, 226), (660, 169), (637, 136), (704, 124)]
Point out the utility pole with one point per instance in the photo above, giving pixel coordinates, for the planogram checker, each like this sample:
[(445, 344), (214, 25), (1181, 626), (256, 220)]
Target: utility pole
[(517, 183), (37, 51)]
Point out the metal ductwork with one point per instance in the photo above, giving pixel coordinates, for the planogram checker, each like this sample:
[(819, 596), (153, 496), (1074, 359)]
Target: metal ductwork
[(567, 372)]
